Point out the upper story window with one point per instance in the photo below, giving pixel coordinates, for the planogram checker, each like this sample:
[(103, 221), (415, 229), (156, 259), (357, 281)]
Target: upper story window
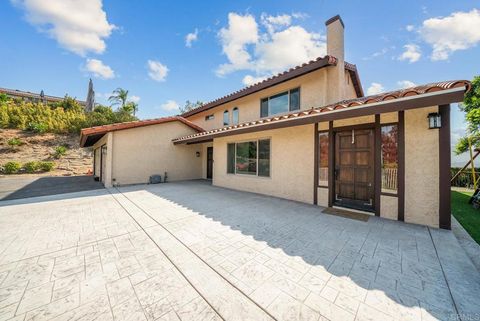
[(209, 117), (235, 116), (280, 103), (226, 118)]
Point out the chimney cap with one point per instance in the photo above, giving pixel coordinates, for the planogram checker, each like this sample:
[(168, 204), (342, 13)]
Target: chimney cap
[(333, 19)]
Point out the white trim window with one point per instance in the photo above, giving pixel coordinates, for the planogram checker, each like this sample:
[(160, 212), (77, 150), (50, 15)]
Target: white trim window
[(249, 158), (226, 118), (235, 116), (280, 103)]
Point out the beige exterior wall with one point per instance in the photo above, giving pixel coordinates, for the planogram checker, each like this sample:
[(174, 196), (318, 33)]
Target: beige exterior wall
[(389, 207), (389, 118), (97, 159), (291, 161), (421, 168), (135, 154), (313, 93), (354, 121), (322, 196)]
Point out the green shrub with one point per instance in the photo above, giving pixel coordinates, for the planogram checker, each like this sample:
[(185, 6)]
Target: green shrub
[(31, 167), (14, 142), (37, 127), (61, 118), (11, 167), (60, 151), (46, 166)]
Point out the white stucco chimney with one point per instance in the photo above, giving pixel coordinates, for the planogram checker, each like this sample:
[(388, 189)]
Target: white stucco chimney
[(336, 48)]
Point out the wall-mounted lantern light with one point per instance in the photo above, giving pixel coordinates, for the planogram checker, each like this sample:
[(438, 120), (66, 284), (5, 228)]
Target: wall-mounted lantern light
[(197, 154), (434, 120)]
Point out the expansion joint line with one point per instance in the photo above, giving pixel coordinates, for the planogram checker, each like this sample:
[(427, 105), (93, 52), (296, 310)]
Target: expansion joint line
[(443, 272), (190, 250)]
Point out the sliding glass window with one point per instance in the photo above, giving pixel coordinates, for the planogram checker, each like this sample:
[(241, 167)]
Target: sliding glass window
[(280, 103), (249, 158)]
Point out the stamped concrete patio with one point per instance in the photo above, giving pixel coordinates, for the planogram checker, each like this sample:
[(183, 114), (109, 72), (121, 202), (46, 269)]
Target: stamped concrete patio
[(190, 251)]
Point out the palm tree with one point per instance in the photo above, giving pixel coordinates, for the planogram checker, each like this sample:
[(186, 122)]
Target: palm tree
[(119, 97), (130, 107)]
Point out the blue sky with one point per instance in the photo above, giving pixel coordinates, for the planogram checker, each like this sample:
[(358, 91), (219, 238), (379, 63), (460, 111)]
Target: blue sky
[(142, 45)]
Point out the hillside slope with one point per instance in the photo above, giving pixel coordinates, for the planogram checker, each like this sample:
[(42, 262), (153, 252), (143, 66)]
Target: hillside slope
[(40, 147)]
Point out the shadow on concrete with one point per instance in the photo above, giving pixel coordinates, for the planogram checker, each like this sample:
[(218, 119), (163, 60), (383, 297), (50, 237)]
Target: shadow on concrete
[(395, 258), (13, 188)]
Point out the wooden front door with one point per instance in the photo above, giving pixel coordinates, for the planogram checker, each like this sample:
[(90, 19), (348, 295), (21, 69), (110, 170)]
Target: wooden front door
[(209, 162), (354, 169)]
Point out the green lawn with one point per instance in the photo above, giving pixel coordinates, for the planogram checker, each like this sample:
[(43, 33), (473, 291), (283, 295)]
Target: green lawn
[(466, 214)]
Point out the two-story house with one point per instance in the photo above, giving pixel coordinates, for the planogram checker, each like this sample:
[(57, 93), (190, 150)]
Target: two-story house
[(307, 134)]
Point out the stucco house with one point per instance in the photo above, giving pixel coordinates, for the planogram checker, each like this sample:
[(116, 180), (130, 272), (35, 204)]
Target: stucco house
[(308, 134)]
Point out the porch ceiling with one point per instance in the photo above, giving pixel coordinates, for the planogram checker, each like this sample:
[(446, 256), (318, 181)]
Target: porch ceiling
[(416, 97)]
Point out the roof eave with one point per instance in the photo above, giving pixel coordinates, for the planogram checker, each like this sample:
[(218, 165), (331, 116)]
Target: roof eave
[(436, 98)]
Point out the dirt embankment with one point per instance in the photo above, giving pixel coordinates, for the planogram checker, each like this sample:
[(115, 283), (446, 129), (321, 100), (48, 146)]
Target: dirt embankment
[(41, 147)]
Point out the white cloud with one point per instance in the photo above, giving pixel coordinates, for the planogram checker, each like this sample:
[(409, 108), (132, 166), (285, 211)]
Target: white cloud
[(134, 99), (277, 46), (458, 31), (78, 26), (300, 15), (288, 48), (405, 84), (379, 53), (241, 31), (375, 88), (249, 80), (191, 37), (99, 69), (170, 105), (412, 53), (157, 71), (410, 27), (272, 23)]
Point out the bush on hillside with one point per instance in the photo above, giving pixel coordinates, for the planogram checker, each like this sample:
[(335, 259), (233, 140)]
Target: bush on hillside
[(14, 142), (31, 167), (60, 151), (11, 167), (37, 127), (46, 166), (65, 117)]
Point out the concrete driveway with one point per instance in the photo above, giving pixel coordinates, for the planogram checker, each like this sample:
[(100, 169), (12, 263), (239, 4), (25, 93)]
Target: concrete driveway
[(25, 186), (190, 251)]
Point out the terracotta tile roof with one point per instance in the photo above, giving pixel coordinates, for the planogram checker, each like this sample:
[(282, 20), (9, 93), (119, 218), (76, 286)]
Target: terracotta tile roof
[(292, 73), (89, 136), (27, 94), (397, 94)]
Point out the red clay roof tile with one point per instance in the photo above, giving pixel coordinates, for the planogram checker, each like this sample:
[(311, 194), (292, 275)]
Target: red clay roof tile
[(418, 90), (99, 131)]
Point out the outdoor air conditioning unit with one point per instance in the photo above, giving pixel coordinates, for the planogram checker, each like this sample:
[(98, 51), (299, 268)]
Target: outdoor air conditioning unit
[(155, 179)]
